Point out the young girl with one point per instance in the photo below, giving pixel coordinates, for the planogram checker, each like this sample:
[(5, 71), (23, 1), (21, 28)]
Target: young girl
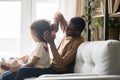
[(37, 60)]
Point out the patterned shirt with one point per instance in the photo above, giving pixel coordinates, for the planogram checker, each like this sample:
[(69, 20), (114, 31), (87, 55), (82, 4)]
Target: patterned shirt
[(41, 51)]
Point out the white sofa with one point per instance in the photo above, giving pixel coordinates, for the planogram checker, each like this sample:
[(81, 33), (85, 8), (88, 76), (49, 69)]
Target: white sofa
[(97, 60)]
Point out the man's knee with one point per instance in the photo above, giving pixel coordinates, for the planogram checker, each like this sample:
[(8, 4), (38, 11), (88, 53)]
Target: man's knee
[(21, 71), (4, 77)]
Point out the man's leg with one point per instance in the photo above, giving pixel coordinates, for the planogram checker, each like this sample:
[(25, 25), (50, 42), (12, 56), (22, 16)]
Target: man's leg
[(9, 76), (27, 72)]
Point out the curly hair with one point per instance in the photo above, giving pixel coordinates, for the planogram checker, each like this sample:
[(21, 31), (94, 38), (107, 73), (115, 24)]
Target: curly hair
[(39, 27), (78, 22)]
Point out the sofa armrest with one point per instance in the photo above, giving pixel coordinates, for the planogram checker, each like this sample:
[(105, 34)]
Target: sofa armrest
[(60, 75), (31, 78), (78, 77)]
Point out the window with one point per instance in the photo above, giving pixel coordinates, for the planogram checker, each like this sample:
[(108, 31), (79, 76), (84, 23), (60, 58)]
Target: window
[(16, 17), (10, 16), (47, 12)]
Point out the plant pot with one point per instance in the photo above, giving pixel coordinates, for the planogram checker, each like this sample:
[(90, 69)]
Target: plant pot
[(100, 33), (94, 34), (113, 33)]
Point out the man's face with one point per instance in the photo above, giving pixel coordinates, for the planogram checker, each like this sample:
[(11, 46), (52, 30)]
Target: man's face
[(71, 30)]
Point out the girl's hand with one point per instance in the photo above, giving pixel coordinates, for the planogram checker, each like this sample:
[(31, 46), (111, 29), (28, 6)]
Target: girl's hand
[(24, 58)]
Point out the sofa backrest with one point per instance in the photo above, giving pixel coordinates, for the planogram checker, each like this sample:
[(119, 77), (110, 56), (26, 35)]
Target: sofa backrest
[(98, 57)]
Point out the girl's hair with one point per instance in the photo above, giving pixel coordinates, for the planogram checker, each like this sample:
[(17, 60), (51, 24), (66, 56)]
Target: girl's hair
[(39, 27)]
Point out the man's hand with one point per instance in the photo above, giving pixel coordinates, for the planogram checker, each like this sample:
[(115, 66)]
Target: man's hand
[(57, 17), (48, 37)]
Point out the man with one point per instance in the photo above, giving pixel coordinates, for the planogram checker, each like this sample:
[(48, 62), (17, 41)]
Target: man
[(64, 56)]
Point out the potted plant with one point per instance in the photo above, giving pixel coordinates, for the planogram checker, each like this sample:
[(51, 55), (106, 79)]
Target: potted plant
[(98, 23), (97, 28), (114, 27), (91, 12)]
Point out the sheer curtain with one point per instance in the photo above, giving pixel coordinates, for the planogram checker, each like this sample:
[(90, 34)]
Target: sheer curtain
[(80, 7), (68, 8), (71, 8)]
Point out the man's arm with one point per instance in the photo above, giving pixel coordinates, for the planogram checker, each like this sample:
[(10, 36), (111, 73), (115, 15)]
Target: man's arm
[(70, 53), (59, 19), (50, 40)]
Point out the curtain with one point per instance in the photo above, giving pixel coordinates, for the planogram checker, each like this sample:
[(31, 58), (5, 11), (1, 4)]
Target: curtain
[(71, 8), (80, 7), (116, 7), (68, 8)]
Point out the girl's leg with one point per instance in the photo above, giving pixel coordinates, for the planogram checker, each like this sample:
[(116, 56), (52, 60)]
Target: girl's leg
[(9, 76), (27, 72)]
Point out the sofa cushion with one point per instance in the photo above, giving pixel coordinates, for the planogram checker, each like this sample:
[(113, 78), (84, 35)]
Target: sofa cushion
[(98, 57)]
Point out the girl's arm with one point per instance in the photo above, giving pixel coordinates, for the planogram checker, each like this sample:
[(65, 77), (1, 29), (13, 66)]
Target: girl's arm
[(14, 69), (31, 63)]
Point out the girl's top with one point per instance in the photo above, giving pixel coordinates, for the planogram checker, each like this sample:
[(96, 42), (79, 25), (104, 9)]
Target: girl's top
[(41, 51)]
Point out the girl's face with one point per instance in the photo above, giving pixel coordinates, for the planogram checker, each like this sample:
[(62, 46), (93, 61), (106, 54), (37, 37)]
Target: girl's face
[(34, 36)]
